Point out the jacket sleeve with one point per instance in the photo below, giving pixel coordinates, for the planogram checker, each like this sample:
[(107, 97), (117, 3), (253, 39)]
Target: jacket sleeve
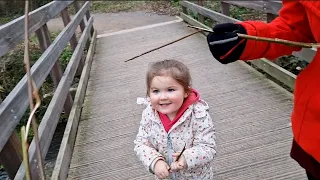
[(143, 148), (291, 24), (203, 150)]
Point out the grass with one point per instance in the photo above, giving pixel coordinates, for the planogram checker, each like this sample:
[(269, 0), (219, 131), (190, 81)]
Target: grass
[(112, 7), (6, 19), (159, 7)]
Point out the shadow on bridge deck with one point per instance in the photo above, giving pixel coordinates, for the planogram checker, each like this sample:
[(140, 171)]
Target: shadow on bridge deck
[(250, 112)]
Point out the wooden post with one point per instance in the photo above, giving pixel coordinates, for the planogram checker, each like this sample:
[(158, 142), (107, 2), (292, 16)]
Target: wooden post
[(88, 17), (73, 41), (266, 9), (77, 8), (200, 16), (91, 31), (11, 155), (184, 10), (66, 19), (225, 8), (56, 72), (270, 17)]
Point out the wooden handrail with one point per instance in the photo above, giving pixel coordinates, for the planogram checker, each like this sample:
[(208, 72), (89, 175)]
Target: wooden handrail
[(12, 33), (271, 7), (51, 117), (15, 104)]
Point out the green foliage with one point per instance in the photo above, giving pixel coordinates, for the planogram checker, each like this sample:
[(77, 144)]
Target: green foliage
[(237, 12), (12, 69), (10, 10), (213, 5), (12, 66), (112, 6), (34, 4), (159, 7), (66, 56), (6, 19), (175, 3)]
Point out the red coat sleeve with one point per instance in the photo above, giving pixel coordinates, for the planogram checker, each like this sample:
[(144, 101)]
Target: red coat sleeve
[(291, 24)]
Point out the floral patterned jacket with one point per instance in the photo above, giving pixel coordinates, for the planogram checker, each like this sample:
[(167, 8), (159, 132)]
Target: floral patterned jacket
[(195, 128)]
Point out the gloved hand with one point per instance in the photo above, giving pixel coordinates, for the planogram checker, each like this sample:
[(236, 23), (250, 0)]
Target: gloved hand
[(224, 43)]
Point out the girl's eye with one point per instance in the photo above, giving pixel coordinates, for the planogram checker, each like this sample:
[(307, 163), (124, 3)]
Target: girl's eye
[(155, 91), (170, 89)]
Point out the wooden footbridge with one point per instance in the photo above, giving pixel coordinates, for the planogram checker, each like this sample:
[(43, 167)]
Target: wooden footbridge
[(251, 112)]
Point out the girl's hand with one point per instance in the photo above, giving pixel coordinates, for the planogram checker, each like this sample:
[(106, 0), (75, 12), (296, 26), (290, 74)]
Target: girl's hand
[(178, 165), (161, 169)]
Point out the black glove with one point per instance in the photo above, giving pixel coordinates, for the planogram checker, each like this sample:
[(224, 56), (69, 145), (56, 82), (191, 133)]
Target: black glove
[(226, 52)]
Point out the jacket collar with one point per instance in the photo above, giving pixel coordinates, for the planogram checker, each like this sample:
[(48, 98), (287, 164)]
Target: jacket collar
[(193, 97), (199, 109)]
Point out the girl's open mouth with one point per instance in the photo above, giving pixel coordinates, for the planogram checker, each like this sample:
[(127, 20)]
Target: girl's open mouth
[(165, 104)]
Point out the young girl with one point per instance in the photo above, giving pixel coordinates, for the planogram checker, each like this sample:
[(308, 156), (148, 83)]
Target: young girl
[(175, 117)]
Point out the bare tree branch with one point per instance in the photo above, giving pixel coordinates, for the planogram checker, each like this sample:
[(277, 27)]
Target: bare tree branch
[(163, 45), (276, 40)]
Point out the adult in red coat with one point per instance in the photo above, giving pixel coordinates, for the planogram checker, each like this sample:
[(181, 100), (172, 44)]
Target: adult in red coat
[(297, 21)]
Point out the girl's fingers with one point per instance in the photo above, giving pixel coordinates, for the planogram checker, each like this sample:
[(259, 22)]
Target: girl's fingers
[(180, 164), (175, 166), (176, 154), (164, 174), (161, 176)]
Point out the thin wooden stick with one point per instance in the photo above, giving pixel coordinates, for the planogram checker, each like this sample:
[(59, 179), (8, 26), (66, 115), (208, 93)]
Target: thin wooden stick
[(279, 41), (164, 45), (30, 87)]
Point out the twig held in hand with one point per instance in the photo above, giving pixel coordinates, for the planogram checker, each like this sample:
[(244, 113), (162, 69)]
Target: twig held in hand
[(184, 148), (276, 40), (164, 45)]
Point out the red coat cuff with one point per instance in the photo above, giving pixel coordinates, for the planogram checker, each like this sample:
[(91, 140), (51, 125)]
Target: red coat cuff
[(251, 44)]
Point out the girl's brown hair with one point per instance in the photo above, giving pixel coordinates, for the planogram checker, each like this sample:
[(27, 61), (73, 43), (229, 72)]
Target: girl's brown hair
[(176, 69)]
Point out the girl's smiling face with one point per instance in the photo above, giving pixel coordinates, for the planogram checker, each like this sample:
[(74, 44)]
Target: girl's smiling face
[(166, 95)]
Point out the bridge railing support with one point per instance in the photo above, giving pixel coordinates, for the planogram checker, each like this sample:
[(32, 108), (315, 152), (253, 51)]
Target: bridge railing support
[(14, 106)]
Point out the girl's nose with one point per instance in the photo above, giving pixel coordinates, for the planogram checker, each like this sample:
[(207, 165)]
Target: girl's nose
[(163, 95)]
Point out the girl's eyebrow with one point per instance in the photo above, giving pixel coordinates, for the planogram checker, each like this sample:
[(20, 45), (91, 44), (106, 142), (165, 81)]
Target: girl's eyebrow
[(173, 86)]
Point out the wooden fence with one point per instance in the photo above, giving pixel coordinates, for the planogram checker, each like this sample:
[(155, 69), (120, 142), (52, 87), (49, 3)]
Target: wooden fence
[(270, 8), (16, 103)]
